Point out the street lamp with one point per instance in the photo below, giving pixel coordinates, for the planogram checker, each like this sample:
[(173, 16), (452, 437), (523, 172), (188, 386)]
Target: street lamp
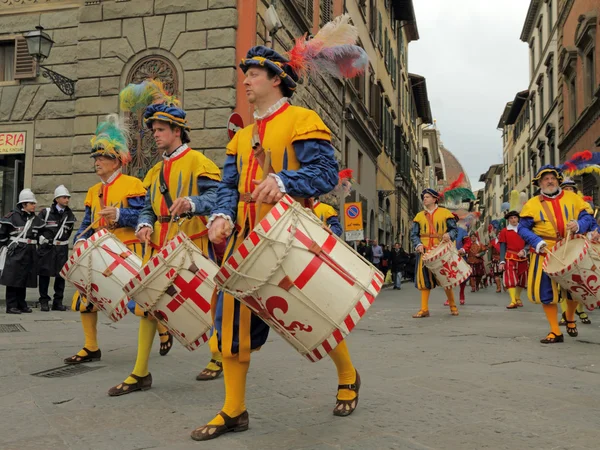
[(39, 45)]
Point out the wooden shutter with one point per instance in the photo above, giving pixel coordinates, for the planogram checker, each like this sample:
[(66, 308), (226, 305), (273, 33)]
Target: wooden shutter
[(24, 64)]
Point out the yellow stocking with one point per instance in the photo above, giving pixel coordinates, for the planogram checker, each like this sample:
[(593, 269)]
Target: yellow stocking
[(425, 299), (563, 305), (513, 295), (571, 307), (551, 314), (345, 369), (450, 297), (145, 339), (89, 321), (235, 388), (518, 294), (213, 343), (580, 309)]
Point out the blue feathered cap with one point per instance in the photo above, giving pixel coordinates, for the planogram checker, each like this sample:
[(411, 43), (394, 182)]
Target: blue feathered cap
[(268, 58), (547, 169), (434, 194), (165, 113), (568, 182)]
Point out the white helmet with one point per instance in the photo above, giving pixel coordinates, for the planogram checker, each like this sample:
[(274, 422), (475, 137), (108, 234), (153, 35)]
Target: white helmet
[(61, 191), (26, 196)]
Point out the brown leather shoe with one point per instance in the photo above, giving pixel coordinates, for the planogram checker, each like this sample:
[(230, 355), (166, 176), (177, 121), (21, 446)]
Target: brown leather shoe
[(208, 374), (90, 357), (420, 314), (208, 432), (344, 408), (141, 384)]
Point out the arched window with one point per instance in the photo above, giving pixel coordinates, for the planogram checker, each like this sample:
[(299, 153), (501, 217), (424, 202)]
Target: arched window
[(143, 150)]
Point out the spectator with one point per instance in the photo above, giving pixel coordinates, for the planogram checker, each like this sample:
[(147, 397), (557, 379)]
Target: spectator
[(400, 260), (377, 254), (365, 251), (386, 261)]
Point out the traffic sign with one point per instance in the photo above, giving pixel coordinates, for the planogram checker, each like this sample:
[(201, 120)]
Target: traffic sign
[(234, 124), (353, 220)]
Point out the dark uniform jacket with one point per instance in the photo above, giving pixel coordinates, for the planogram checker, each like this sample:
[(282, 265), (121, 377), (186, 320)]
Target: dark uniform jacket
[(54, 254), (20, 268)]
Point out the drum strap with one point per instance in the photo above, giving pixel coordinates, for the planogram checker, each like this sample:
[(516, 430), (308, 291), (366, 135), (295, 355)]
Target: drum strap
[(549, 215), (164, 188)]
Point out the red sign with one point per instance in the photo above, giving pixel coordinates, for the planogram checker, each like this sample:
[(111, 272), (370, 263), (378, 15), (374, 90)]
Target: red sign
[(234, 124), (12, 142)]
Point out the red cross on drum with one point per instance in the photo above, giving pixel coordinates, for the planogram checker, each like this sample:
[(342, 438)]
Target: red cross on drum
[(320, 287), (99, 268), (176, 286)]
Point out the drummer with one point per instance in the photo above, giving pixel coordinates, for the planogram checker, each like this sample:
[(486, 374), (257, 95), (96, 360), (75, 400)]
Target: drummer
[(545, 220), (569, 184), (303, 166), (432, 226), (181, 188), (513, 259), (115, 204)]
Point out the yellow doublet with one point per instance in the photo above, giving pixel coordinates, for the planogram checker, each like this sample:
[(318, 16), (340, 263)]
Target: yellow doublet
[(181, 174), (324, 212), (432, 226), (115, 194), (278, 133)]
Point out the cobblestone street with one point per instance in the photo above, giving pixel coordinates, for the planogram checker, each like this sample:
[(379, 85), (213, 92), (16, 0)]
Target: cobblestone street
[(480, 380)]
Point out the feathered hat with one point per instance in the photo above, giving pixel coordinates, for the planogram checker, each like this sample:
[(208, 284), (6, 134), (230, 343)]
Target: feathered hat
[(112, 139), (331, 51), (517, 200), (581, 163), (568, 182), (435, 194), (152, 100), (548, 168), (457, 192)]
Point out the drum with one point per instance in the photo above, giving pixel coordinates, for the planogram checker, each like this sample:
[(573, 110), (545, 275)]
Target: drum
[(176, 286), (302, 280), (575, 265), (99, 268), (449, 268)]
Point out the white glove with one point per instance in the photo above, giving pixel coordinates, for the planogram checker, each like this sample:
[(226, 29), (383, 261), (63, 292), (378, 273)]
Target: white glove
[(43, 240)]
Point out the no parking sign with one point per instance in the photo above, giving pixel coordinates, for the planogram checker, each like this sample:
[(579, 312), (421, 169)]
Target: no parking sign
[(353, 221)]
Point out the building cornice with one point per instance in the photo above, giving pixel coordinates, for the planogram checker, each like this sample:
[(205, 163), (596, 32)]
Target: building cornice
[(530, 19), (8, 7)]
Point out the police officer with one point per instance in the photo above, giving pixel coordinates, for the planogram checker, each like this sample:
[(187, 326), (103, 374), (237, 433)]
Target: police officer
[(19, 233), (53, 254)]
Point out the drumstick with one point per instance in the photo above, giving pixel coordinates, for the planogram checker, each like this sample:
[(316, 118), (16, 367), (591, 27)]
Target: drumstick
[(265, 168), (89, 228), (556, 257)]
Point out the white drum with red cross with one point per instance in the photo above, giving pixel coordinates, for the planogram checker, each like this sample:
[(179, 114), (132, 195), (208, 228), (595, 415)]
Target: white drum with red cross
[(302, 280), (449, 268), (176, 287), (99, 268), (575, 265)]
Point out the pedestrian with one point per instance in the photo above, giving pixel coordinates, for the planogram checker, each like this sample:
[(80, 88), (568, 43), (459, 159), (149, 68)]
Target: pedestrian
[(399, 260), (365, 251), (377, 254), (53, 254), (386, 261), (19, 233)]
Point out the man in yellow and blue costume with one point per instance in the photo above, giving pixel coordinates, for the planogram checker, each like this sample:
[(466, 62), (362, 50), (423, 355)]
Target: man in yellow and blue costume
[(328, 216), (303, 165), (545, 220), (431, 227), (186, 187), (114, 203)]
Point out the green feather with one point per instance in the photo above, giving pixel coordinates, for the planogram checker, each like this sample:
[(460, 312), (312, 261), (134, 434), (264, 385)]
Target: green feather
[(459, 195)]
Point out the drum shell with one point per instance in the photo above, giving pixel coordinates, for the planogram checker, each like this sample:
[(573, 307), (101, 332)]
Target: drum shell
[(317, 291), (89, 270), (167, 286), (449, 268)]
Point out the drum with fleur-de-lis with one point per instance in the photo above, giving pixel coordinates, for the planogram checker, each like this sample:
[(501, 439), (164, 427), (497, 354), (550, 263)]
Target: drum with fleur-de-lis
[(449, 268)]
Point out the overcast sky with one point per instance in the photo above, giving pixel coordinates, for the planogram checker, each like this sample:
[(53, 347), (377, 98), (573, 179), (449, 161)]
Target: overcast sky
[(474, 62)]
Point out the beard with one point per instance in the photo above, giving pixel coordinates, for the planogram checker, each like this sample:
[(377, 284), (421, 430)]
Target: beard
[(549, 190)]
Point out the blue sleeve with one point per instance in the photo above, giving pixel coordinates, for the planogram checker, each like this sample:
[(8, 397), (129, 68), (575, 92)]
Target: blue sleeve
[(318, 173), (227, 193), (86, 222), (205, 201), (524, 230), (460, 235), (128, 217), (415, 235), (586, 222), (452, 228), (147, 213), (334, 225)]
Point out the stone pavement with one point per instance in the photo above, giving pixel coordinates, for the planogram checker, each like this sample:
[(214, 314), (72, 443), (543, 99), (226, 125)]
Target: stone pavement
[(478, 381)]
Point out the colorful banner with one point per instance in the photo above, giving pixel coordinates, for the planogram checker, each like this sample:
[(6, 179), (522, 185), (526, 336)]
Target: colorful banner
[(11, 143)]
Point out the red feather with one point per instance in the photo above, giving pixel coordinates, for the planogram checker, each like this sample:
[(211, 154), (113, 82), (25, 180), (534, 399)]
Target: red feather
[(346, 173), (588, 198), (584, 156), (455, 184)]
